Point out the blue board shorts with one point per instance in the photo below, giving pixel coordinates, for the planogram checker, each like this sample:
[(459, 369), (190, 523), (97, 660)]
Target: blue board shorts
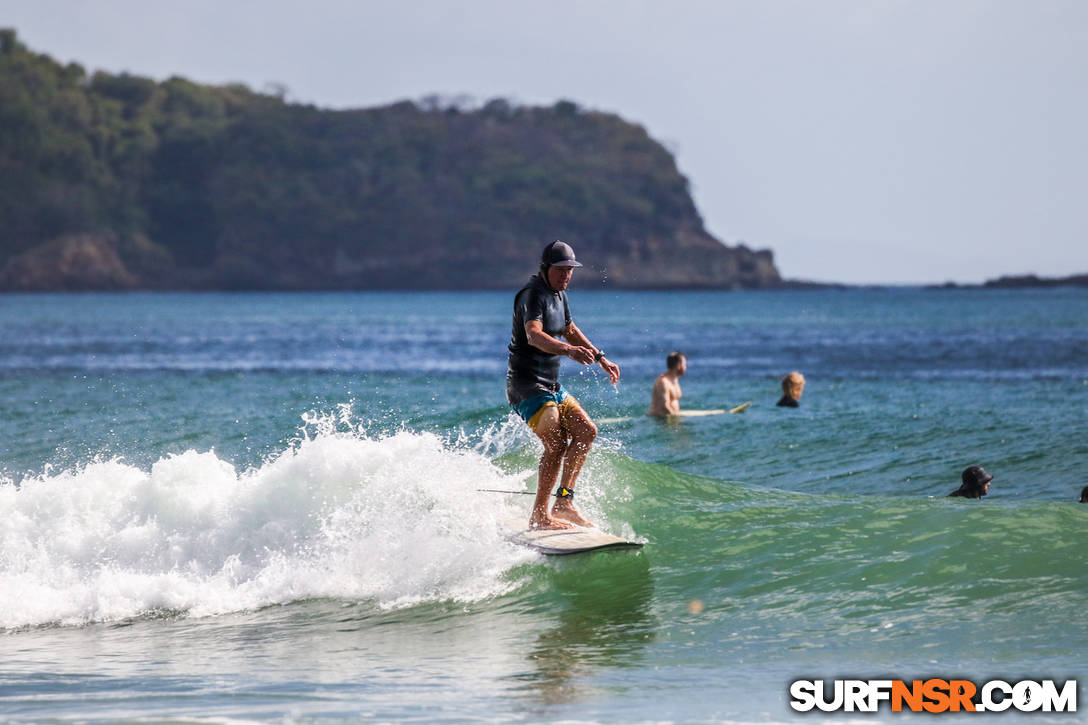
[(532, 408)]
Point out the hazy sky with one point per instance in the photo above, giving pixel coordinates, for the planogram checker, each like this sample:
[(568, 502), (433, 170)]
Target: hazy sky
[(862, 141)]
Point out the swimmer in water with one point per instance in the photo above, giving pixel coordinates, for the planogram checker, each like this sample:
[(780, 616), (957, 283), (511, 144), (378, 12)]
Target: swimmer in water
[(975, 483)]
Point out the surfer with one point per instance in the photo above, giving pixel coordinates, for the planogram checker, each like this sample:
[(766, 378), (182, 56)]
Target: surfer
[(1084, 495), (541, 317), (665, 398), (792, 387), (975, 483)]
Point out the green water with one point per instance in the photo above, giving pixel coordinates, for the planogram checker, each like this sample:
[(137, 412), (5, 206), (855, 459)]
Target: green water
[(266, 507)]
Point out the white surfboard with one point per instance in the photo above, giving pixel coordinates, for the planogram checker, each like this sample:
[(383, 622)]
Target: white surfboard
[(570, 541), (612, 420), (683, 414)]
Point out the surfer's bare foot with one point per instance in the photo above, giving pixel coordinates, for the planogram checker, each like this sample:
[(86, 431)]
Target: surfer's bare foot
[(547, 523), (567, 512)]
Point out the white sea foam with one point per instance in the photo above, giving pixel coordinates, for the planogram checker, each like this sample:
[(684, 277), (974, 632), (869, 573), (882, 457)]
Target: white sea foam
[(500, 438), (393, 520)]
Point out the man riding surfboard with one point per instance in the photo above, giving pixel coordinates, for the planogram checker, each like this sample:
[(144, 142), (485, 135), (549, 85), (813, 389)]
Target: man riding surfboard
[(541, 317)]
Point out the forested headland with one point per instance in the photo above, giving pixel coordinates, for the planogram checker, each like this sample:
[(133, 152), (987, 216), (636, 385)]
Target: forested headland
[(115, 181)]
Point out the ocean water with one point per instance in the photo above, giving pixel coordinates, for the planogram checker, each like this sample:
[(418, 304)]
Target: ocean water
[(266, 508)]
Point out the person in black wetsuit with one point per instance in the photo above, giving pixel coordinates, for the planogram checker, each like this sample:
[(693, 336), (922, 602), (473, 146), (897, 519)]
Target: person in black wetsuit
[(1084, 495), (792, 387), (975, 483), (541, 318)]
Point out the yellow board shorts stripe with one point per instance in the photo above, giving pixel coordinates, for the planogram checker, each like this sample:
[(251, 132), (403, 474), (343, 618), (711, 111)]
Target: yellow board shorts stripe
[(568, 403)]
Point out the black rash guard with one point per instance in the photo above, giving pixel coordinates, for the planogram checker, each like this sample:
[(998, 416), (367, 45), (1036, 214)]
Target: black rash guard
[(532, 371)]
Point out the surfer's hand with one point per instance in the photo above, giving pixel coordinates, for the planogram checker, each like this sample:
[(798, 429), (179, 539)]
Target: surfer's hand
[(580, 354), (612, 369)]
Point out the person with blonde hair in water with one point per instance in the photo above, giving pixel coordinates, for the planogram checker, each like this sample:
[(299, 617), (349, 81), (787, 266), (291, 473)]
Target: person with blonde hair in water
[(541, 318), (792, 387)]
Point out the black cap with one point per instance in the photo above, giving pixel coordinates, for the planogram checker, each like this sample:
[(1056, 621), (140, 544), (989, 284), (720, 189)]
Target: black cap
[(558, 254), (975, 476)]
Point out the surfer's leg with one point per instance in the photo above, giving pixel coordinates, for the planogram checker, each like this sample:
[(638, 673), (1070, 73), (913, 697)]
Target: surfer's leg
[(551, 434), (583, 432)]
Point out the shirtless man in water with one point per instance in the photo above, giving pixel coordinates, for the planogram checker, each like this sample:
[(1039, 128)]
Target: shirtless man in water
[(541, 317), (665, 399)]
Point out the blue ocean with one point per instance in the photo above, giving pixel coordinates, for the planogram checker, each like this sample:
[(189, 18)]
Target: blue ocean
[(268, 507)]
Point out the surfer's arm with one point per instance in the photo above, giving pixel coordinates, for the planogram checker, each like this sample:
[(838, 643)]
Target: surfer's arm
[(658, 403), (534, 333), (573, 334), (672, 399), (674, 403), (664, 401)]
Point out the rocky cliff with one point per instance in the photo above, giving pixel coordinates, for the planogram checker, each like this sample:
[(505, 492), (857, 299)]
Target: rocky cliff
[(120, 182)]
